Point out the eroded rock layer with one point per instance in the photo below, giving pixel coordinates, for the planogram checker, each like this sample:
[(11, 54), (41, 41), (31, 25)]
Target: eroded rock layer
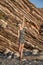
[(11, 13)]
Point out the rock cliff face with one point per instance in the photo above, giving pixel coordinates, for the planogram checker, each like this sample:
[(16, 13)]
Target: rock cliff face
[(11, 13), (41, 10)]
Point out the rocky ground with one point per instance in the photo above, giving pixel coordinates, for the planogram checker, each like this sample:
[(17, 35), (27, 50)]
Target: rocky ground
[(17, 62), (27, 60)]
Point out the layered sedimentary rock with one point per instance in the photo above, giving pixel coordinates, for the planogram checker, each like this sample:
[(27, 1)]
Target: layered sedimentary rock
[(41, 10), (11, 13)]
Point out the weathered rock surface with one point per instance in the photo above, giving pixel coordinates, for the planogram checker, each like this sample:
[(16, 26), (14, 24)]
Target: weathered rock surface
[(11, 13)]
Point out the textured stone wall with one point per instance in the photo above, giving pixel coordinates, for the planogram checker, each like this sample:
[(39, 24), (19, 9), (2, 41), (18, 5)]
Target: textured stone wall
[(11, 13)]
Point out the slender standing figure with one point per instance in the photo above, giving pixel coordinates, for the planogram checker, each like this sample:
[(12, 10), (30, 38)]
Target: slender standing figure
[(21, 36)]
